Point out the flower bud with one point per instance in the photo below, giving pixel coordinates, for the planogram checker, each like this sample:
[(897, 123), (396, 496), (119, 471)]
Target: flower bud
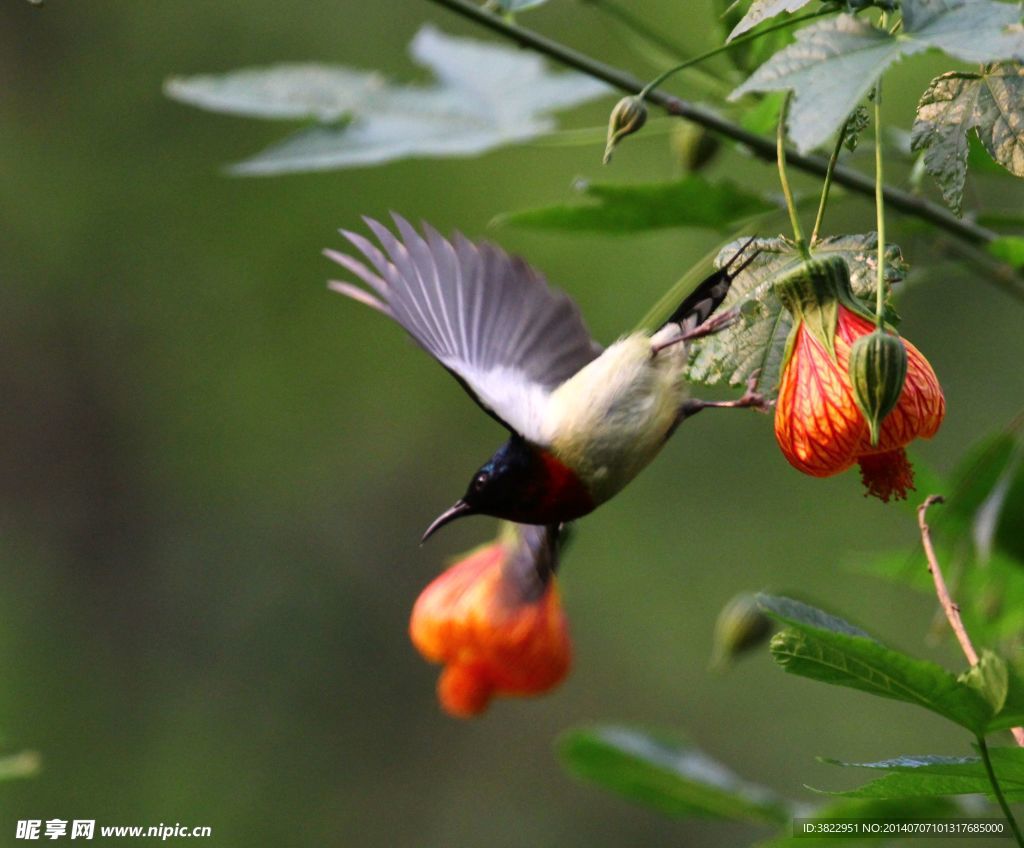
[(741, 625), (628, 116), (878, 370)]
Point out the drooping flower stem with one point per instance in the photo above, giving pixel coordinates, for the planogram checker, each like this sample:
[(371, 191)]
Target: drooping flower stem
[(729, 45), (879, 205), (997, 790), (780, 155), (828, 181)]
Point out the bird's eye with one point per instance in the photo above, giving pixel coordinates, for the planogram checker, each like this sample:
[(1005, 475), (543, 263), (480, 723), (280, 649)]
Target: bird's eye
[(480, 481)]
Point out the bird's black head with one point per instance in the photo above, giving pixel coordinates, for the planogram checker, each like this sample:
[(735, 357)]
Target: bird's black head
[(511, 485)]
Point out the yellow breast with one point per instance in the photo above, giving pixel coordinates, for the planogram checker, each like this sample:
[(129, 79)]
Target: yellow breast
[(611, 419)]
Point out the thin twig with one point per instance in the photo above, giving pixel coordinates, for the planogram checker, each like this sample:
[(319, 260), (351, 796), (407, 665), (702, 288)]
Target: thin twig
[(760, 146), (950, 608)]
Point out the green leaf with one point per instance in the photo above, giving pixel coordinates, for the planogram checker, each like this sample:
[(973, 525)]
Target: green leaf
[(823, 648), (485, 96), (762, 10), (969, 30), (757, 341), (831, 67), (691, 201), (283, 92), (1009, 249), (663, 771), (933, 775), (954, 105), (834, 63)]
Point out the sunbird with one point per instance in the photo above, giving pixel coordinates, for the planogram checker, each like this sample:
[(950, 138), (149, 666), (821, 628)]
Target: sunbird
[(583, 421)]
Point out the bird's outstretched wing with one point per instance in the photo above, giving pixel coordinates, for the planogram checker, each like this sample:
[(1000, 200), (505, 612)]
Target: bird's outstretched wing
[(488, 317)]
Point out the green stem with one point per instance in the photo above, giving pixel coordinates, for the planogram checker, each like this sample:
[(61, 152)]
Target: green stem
[(764, 148), (998, 791), (879, 206), (832, 160), (743, 39), (780, 156)]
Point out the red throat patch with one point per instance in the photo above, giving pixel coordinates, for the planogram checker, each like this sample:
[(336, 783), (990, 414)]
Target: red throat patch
[(565, 497)]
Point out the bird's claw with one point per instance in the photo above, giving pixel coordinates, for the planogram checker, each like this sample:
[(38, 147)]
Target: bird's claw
[(754, 399), (713, 325)]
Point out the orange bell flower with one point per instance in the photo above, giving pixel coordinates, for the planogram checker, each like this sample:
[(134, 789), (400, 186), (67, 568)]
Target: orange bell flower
[(818, 423), (495, 621)]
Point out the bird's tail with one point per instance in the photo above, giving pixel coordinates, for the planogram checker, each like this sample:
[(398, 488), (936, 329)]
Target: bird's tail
[(698, 305)]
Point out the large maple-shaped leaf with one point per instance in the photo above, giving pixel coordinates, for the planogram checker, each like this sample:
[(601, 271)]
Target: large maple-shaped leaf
[(954, 104), (835, 63), (485, 96), (757, 341)]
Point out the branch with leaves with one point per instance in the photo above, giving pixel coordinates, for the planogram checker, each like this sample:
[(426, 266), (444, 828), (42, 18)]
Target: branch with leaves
[(361, 119), (812, 124)]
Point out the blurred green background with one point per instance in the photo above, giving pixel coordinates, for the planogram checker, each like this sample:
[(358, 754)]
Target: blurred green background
[(214, 473)]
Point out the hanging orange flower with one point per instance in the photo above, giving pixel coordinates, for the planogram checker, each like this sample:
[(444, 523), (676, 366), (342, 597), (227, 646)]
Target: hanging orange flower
[(818, 423), (494, 619)]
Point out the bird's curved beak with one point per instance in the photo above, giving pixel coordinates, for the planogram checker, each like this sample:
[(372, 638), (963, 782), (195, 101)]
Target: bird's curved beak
[(459, 509)]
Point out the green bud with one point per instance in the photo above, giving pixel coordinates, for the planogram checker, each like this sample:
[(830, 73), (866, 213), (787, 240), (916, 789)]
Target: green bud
[(878, 369), (628, 116), (741, 625), (693, 145)]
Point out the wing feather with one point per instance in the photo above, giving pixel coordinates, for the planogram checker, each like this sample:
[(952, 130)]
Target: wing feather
[(489, 318)]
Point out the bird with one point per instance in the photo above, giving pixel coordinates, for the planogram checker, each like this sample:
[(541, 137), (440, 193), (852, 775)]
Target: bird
[(582, 420)]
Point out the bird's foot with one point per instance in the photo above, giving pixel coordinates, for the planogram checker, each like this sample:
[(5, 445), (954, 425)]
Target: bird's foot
[(713, 325), (750, 399)]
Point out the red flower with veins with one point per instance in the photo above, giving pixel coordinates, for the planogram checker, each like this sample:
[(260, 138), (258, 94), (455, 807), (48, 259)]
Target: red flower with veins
[(495, 621), (818, 423)]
